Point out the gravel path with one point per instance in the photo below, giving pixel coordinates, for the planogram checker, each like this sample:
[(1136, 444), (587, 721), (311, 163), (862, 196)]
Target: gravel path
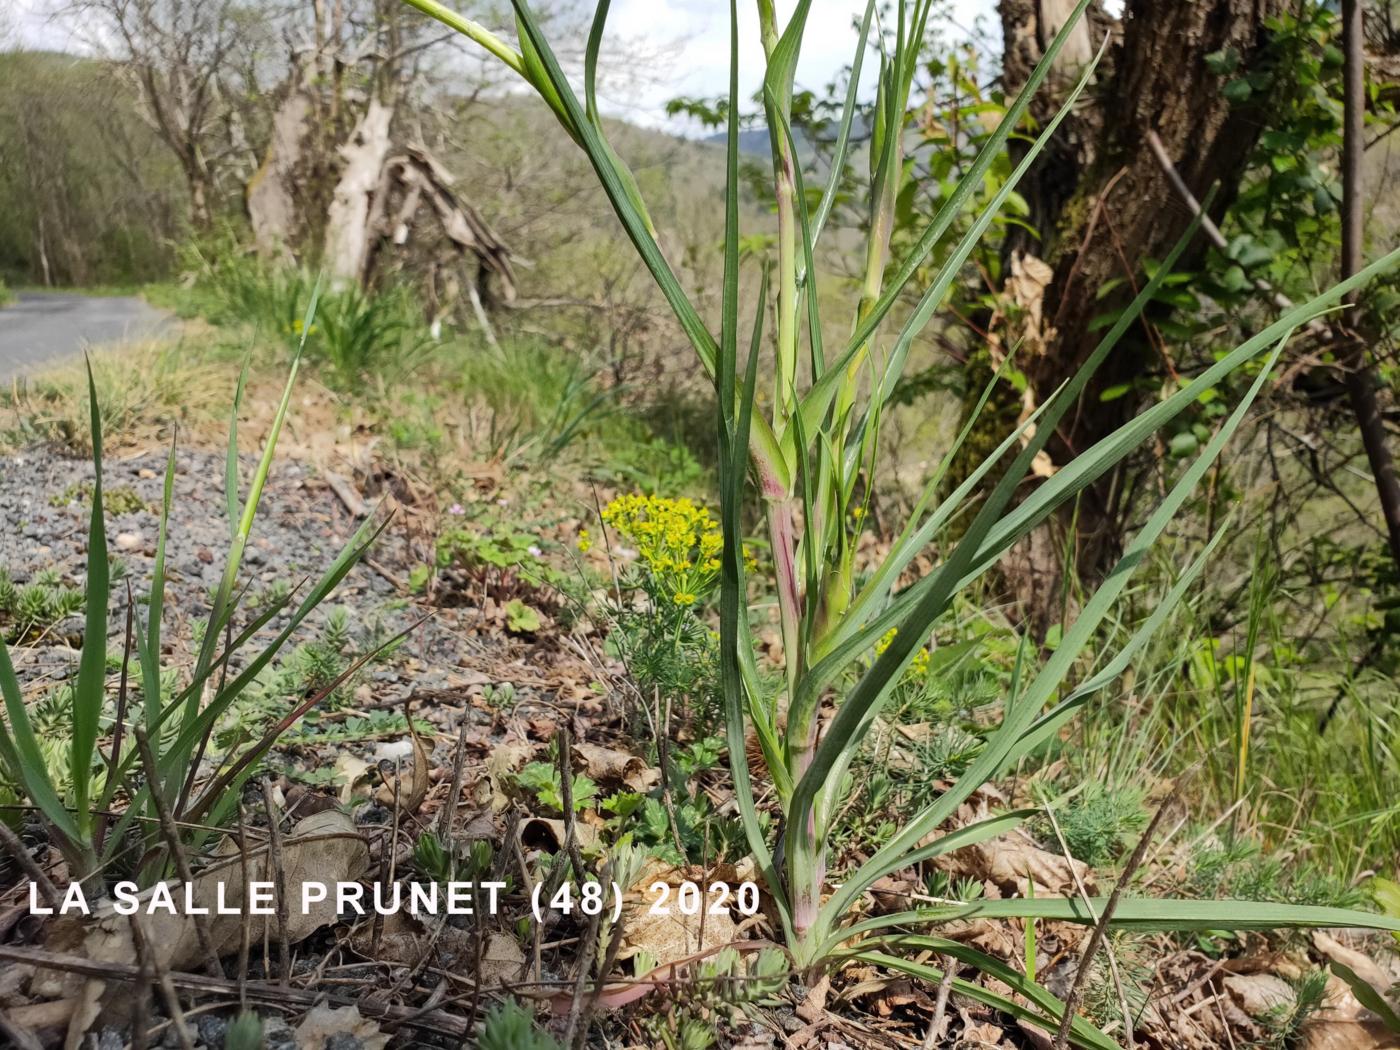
[(300, 529), (44, 327)]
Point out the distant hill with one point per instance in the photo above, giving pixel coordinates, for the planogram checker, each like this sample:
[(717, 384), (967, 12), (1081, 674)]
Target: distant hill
[(755, 140)]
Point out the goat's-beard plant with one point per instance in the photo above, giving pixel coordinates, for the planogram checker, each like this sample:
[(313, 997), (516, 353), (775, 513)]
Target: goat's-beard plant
[(806, 455)]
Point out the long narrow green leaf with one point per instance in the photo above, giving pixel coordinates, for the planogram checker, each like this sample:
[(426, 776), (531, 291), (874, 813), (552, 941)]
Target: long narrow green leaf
[(820, 396), (614, 185), (1082, 1030), (590, 62), (22, 757), (193, 730), (927, 598), (918, 531), (174, 765), (148, 641), (1143, 914), (1082, 1034), (1094, 462), (90, 690), (1016, 722), (1050, 723), (733, 594), (231, 456)]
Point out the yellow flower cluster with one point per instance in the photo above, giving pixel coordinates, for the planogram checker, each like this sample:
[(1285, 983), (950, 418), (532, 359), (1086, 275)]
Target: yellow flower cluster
[(918, 668), (677, 541)]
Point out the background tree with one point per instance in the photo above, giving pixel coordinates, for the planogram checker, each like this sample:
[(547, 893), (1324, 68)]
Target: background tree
[(1100, 204), (179, 53)]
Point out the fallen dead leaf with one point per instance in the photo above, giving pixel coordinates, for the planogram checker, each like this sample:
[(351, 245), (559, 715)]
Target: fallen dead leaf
[(612, 768), (1012, 862), (1359, 963), (324, 847), (327, 1028), (1259, 994), (672, 934), (1347, 1035), (501, 960), (413, 788), (402, 940), (352, 771), (505, 760), (547, 834)]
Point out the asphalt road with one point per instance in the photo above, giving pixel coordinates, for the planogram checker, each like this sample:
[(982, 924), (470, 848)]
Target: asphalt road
[(42, 328)]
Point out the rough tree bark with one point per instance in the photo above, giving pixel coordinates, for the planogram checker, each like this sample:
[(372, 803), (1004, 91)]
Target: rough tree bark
[(348, 219), (272, 205), (1102, 205)]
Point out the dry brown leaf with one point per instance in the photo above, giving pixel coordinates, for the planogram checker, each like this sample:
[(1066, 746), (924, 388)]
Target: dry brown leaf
[(352, 771), (982, 1035), (673, 935), (612, 768), (413, 789), (547, 834), (1347, 1035), (505, 760), (327, 1028), (402, 940), (1360, 963), (1012, 862), (501, 960), (1259, 994), (325, 847)]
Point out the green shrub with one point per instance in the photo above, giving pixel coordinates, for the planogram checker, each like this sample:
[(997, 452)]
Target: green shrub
[(1098, 823)]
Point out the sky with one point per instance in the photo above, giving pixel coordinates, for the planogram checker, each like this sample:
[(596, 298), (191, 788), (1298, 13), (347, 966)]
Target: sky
[(688, 40), (695, 36)]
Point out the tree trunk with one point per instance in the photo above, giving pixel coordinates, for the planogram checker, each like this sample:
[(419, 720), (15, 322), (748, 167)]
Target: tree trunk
[(348, 219), (1102, 206), (1362, 379), (200, 215), (272, 210)]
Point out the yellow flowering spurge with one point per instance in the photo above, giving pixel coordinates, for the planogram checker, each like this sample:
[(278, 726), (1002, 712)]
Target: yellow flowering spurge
[(918, 668), (677, 542)]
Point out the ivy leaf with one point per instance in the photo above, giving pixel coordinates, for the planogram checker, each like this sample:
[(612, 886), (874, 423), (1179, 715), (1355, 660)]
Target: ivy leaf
[(1183, 445), (1223, 62), (1237, 91)]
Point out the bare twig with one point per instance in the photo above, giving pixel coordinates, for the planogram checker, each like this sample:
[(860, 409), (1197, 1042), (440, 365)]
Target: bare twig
[(1212, 231), (22, 1038), (150, 961), (245, 935), (1096, 936), (171, 834), (29, 866), (1359, 372), (454, 792), (939, 1021), (566, 796), (279, 875), (576, 1032)]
